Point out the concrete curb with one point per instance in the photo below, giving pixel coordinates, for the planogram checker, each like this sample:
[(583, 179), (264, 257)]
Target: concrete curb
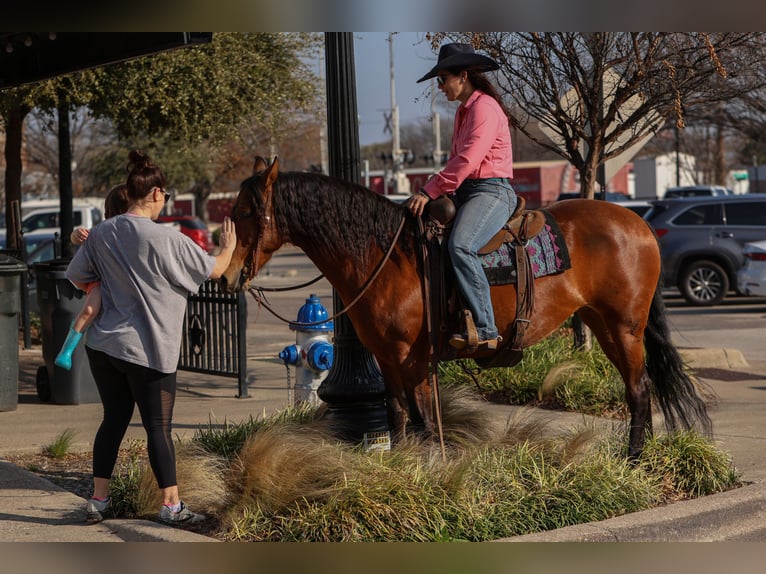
[(36, 510), (738, 514), (714, 358)]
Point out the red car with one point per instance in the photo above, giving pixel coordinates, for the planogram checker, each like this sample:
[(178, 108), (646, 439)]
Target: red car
[(192, 226)]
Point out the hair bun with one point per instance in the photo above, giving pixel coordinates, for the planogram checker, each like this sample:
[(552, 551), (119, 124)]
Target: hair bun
[(138, 161)]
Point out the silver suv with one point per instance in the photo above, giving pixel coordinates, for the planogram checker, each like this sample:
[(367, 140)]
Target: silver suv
[(701, 241)]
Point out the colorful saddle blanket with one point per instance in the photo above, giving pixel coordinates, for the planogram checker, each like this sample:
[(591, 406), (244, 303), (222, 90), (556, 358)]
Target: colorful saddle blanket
[(548, 255)]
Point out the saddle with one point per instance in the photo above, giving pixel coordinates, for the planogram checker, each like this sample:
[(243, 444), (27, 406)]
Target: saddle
[(518, 230)]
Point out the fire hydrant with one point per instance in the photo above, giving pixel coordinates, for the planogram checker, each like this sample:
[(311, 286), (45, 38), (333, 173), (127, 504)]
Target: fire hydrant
[(312, 353)]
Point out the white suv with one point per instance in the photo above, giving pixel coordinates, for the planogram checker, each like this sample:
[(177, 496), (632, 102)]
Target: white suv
[(85, 213)]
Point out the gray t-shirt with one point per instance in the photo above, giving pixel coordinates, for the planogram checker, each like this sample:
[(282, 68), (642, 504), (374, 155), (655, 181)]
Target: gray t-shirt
[(146, 272)]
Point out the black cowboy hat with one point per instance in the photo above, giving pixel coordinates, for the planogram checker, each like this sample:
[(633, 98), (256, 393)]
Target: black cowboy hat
[(460, 57)]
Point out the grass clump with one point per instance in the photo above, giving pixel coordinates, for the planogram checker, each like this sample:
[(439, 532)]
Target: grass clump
[(554, 376), (688, 465), (61, 445), (124, 488), (290, 480)]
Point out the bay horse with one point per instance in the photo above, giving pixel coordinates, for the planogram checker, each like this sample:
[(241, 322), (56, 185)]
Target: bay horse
[(346, 230)]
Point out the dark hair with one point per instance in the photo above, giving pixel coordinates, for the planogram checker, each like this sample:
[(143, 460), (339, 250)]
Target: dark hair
[(143, 176), (480, 81), (116, 201)]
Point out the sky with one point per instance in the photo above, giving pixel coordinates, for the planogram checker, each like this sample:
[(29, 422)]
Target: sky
[(413, 57)]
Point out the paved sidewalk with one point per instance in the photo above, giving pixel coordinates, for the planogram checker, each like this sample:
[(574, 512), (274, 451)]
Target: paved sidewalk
[(33, 509)]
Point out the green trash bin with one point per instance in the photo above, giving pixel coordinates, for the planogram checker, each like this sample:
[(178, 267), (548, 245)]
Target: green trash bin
[(11, 271), (59, 303)]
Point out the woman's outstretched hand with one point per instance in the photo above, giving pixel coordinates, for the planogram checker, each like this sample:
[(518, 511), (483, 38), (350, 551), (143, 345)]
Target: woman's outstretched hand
[(228, 238)]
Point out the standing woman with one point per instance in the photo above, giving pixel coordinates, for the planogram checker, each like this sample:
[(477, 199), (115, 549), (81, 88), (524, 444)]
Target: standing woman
[(478, 172), (146, 272)]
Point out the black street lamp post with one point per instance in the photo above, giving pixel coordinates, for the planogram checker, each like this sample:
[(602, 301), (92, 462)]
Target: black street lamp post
[(354, 389)]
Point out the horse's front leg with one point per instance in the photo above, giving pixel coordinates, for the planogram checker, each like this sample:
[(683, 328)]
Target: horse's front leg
[(409, 400), (423, 404), (398, 415)]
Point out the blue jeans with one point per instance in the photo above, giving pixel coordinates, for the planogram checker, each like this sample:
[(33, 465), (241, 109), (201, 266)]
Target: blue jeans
[(483, 207)]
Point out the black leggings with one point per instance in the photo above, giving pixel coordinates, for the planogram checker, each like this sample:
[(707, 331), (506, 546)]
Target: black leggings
[(122, 385)]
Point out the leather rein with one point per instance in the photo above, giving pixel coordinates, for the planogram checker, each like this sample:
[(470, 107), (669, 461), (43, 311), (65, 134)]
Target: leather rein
[(257, 292)]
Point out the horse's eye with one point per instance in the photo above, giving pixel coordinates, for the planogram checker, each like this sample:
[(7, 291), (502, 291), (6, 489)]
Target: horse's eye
[(245, 214)]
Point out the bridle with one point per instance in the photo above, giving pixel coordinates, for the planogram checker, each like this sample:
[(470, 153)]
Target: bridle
[(257, 292), (250, 265)]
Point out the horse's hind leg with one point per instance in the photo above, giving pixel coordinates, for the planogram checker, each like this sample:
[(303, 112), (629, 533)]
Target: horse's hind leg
[(622, 343)]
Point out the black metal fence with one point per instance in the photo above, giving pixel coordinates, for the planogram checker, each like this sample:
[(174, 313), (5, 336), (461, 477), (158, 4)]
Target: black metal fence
[(214, 337)]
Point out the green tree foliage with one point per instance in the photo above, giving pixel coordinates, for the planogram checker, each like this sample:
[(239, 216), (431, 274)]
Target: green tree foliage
[(202, 113), (211, 92), (198, 110)]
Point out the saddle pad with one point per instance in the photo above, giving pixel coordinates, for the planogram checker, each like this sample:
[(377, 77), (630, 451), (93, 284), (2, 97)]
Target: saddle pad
[(548, 255)]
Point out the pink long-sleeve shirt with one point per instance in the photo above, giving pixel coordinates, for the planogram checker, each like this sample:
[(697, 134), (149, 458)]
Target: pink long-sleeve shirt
[(481, 146)]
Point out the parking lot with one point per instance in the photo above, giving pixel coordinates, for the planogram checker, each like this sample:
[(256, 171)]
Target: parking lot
[(737, 322)]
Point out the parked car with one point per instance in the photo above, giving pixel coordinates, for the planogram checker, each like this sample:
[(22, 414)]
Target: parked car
[(39, 246), (45, 216), (610, 196), (32, 241), (751, 279), (638, 206), (192, 226), (697, 191), (701, 240)]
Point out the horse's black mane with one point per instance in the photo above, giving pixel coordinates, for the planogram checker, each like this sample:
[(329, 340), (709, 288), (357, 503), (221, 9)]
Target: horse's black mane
[(334, 214)]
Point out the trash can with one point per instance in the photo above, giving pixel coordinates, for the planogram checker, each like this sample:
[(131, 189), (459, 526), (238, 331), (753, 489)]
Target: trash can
[(59, 303), (11, 271)]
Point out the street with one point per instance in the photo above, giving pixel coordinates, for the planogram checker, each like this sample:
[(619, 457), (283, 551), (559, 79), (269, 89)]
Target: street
[(737, 323)]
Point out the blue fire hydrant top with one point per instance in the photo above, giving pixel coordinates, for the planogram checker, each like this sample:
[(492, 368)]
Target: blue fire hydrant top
[(311, 312)]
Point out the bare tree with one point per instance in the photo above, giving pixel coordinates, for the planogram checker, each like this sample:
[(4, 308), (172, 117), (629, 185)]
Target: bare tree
[(602, 93)]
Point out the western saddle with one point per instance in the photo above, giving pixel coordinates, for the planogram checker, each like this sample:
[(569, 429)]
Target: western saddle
[(519, 229)]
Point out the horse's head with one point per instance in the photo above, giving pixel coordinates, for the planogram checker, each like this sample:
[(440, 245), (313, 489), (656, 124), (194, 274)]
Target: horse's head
[(257, 235)]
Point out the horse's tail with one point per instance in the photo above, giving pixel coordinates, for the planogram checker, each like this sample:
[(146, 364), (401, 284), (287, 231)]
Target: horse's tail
[(673, 387)]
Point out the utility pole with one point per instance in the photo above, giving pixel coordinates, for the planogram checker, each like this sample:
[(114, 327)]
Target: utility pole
[(436, 120), (323, 154), (401, 183)]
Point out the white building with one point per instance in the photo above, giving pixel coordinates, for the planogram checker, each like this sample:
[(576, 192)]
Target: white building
[(654, 175)]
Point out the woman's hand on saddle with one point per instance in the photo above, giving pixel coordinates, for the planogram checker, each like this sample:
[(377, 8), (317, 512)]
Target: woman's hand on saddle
[(417, 203)]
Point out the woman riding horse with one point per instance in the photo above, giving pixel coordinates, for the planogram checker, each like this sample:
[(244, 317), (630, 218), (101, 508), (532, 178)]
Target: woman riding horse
[(346, 230)]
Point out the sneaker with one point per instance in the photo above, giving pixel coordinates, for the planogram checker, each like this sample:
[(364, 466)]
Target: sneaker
[(96, 510), (183, 516)]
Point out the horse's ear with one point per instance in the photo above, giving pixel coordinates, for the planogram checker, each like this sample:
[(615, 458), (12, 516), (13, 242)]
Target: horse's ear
[(271, 174), (259, 165)]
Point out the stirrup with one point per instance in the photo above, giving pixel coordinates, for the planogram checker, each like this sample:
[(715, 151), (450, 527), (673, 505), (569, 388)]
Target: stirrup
[(460, 342)]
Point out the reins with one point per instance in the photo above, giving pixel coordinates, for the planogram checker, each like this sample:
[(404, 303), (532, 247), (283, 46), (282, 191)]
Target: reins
[(291, 288), (257, 292), (432, 339)]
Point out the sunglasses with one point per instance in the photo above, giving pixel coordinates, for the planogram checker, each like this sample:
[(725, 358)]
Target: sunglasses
[(167, 196), (441, 79)]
